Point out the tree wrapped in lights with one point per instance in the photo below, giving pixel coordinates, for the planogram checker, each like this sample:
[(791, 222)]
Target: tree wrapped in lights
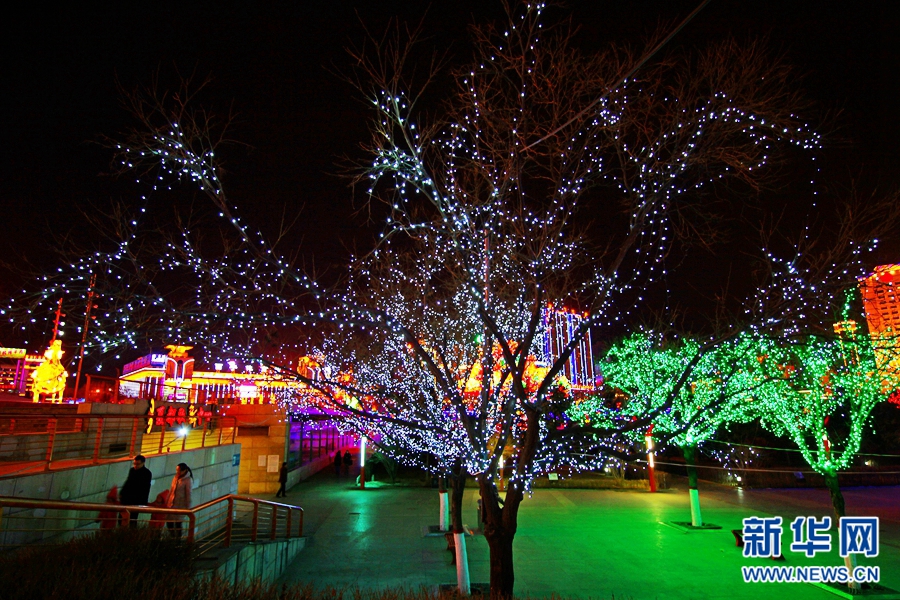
[(487, 222), (822, 398), (497, 194), (685, 389)]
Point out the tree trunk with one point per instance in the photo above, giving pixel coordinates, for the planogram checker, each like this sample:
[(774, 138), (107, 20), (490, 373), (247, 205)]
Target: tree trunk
[(457, 488), (499, 531), (443, 511), (503, 576), (837, 502), (500, 524), (690, 459), (837, 498), (463, 586)]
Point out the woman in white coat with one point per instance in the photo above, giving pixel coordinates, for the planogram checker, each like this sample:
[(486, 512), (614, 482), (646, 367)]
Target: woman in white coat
[(179, 496)]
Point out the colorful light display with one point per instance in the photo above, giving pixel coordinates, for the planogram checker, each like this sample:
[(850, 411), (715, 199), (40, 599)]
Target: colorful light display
[(687, 388), (559, 327), (818, 393), (172, 377), (684, 388), (882, 307), (823, 401), (429, 340)]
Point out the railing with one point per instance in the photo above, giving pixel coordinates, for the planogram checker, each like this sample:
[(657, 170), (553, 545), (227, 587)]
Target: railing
[(225, 391), (97, 388), (91, 439), (221, 522)]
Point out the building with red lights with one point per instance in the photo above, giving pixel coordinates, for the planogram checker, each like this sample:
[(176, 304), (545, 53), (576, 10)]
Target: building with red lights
[(882, 305)]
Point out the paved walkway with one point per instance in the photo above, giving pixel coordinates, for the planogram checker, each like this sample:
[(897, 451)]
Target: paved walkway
[(574, 543)]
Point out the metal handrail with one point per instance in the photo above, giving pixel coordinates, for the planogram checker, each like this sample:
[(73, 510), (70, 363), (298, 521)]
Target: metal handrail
[(125, 511), (257, 502), (123, 428)]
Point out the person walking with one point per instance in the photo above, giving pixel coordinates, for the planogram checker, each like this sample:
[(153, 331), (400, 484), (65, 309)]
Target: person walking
[(337, 463), (348, 461), (282, 479), (179, 496), (136, 489)]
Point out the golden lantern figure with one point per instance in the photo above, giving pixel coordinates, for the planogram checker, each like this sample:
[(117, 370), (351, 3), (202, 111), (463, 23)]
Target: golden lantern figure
[(49, 378)]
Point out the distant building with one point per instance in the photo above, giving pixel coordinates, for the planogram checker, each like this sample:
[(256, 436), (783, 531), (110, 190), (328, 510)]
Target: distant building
[(881, 300), (560, 329), (16, 366), (254, 396)]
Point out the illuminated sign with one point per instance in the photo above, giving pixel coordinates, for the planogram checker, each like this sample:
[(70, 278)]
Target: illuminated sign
[(248, 390), (170, 416), (149, 361)]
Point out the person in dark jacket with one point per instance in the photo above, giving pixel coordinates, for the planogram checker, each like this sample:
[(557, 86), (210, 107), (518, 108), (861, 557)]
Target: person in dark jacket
[(136, 489), (348, 461), (337, 463), (282, 479)]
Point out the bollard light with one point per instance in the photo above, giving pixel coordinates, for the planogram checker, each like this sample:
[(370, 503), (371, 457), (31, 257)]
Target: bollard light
[(362, 461), (651, 470)]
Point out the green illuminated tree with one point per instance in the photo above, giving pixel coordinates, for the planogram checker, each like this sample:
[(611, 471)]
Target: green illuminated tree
[(817, 392), (684, 388), (821, 398)]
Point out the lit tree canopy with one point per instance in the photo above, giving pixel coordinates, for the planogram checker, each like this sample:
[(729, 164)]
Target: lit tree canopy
[(684, 388), (824, 398)]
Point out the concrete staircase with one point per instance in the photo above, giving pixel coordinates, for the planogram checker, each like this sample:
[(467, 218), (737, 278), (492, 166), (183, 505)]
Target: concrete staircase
[(244, 561)]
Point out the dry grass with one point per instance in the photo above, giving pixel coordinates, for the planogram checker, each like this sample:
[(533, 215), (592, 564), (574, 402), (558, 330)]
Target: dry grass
[(124, 563), (138, 564)]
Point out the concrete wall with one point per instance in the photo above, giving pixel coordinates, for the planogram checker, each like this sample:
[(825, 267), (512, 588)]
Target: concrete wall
[(263, 561), (262, 432), (214, 476)]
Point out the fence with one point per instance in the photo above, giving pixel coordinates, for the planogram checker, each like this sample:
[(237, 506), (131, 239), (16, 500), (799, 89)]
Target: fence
[(221, 522), (94, 438), (309, 440)]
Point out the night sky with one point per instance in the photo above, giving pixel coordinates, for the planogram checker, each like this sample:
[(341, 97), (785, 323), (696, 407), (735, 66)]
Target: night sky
[(276, 67)]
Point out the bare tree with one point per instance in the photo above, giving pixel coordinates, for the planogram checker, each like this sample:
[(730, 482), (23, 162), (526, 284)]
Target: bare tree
[(536, 137)]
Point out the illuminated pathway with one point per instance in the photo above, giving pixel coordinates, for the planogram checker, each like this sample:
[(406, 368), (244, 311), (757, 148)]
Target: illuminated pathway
[(576, 543)]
